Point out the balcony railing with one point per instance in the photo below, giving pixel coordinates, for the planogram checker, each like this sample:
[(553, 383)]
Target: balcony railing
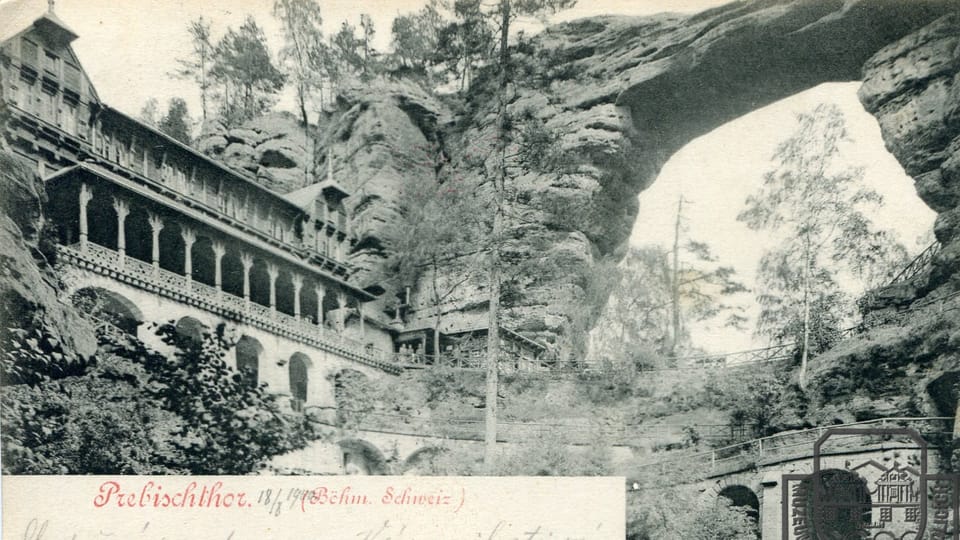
[(177, 287), (169, 188)]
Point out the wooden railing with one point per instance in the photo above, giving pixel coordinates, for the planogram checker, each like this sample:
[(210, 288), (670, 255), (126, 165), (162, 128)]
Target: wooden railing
[(921, 263), (177, 287)]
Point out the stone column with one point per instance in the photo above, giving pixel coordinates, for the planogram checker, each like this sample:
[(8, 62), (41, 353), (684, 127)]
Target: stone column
[(85, 195), (156, 225), (341, 312), (273, 272), (320, 292), (122, 209), (189, 237), (247, 261), (219, 250), (297, 280)]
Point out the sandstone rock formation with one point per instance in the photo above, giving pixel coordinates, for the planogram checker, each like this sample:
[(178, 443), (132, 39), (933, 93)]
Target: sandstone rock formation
[(621, 95), (273, 149), (28, 287)]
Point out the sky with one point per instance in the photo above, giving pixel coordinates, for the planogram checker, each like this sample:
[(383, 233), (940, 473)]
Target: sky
[(716, 173), (129, 49), (147, 36)]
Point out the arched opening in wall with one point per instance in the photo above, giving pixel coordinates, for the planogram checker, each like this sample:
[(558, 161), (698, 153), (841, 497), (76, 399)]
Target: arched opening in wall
[(191, 329), (232, 269), (204, 269), (362, 458), (249, 351), (139, 237), (108, 307), (259, 283), (299, 371), (843, 506), (744, 497), (102, 218), (423, 461), (171, 247), (944, 392)]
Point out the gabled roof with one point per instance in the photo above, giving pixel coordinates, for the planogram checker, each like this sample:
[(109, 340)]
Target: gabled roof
[(17, 16), (304, 197)]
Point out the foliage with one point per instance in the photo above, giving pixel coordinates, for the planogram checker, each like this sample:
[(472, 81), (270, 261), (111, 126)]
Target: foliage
[(818, 206), (176, 123), (550, 455), (301, 22), (416, 36), (243, 67), (466, 42), (758, 403), (94, 423), (355, 395), (30, 354), (150, 112), (636, 326), (197, 66), (665, 512), (187, 412)]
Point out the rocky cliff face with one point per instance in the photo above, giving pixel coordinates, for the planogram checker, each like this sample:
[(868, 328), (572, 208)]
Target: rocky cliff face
[(912, 86), (273, 148), (28, 288), (620, 95)]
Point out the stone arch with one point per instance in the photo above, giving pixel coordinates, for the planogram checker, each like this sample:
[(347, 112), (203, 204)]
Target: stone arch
[(362, 458), (849, 494), (742, 496), (299, 372), (249, 351), (192, 329), (110, 307), (944, 392), (420, 461)]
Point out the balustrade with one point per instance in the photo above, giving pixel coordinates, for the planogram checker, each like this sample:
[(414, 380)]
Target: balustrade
[(173, 285)]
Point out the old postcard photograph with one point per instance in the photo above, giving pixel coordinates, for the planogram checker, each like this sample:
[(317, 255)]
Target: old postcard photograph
[(672, 269)]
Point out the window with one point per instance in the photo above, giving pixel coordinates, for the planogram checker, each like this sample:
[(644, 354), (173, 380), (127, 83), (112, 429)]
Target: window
[(71, 77), (29, 54), (69, 117), (51, 64)]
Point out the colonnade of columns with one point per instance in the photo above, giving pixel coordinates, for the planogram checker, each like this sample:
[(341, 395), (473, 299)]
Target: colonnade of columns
[(219, 249)]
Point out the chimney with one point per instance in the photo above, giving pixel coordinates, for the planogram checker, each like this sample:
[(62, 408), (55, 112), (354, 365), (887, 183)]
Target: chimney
[(50, 5)]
